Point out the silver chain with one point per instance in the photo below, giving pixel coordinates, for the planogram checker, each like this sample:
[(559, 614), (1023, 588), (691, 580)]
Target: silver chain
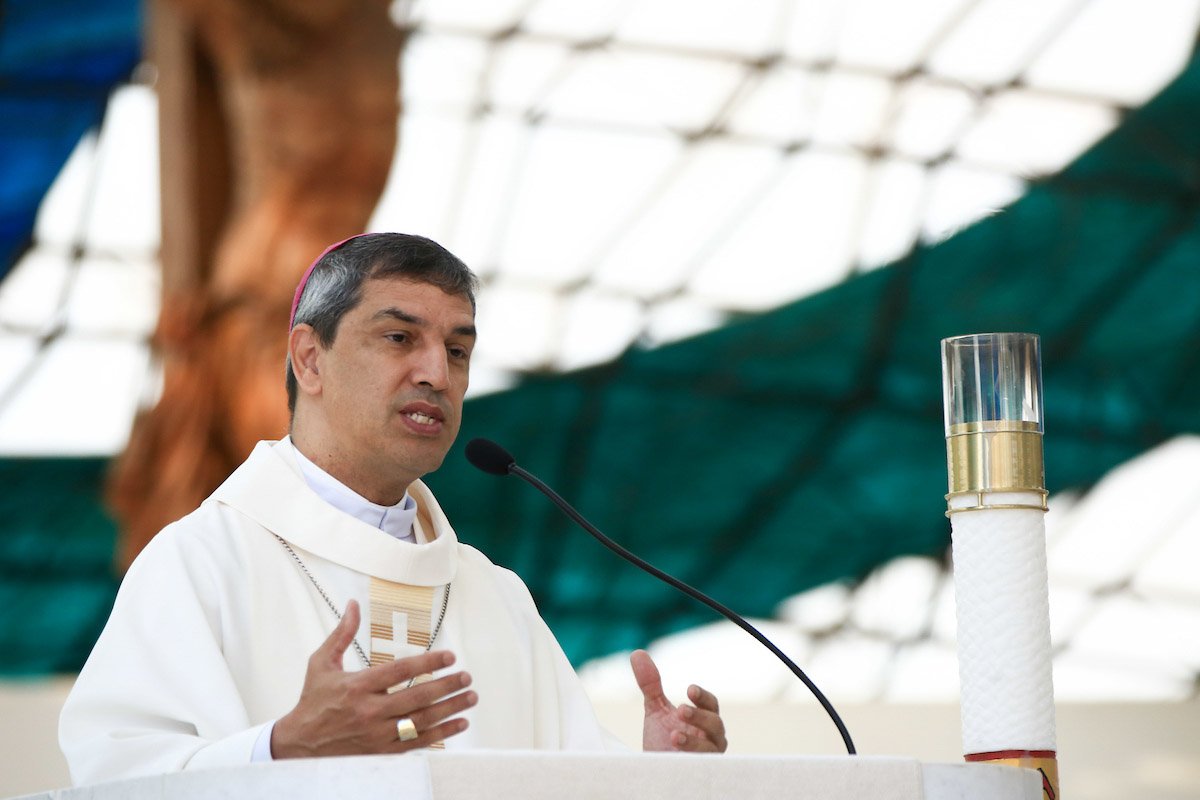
[(358, 647)]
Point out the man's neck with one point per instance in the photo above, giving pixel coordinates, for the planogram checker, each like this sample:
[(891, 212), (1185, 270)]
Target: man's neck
[(396, 520), (363, 481)]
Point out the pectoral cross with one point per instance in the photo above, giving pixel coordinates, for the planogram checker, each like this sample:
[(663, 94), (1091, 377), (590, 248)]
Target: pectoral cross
[(398, 646)]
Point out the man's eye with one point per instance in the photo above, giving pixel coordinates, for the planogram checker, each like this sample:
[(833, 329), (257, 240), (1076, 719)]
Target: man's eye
[(397, 337), (459, 352)]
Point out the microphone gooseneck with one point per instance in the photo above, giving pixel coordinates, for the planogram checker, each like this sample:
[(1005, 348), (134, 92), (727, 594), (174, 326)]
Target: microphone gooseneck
[(490, 457)]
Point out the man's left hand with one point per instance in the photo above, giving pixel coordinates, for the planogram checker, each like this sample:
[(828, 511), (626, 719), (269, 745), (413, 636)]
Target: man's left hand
[(695, 728)]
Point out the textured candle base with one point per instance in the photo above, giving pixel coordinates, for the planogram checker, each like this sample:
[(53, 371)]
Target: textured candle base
[(1000, 587)]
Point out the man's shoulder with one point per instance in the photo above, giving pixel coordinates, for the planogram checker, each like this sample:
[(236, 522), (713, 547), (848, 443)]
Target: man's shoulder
[(211, 527), (218, 527), (475, 558), (472, 561), (223, 518), (217, 510)]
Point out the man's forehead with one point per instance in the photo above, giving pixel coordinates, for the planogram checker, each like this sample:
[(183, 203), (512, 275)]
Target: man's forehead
[(388, 290), (418, 302)]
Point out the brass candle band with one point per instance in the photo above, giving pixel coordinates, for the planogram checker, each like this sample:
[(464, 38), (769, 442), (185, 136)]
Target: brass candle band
[(985, 458), (983, 504)]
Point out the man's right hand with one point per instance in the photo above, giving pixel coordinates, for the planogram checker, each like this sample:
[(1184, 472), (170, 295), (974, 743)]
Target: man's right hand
[(352, 713)]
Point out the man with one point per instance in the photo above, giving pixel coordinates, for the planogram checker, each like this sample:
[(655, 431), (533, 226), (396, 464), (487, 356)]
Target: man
[(280, 619)]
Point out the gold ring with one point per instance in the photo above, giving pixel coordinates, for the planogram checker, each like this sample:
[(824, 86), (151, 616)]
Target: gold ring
[(406, 730)]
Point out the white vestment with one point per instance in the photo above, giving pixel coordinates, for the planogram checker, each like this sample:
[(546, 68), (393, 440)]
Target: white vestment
[(212, 628)]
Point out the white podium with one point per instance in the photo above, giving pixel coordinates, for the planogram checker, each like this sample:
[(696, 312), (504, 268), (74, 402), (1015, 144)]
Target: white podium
[(579, 776)]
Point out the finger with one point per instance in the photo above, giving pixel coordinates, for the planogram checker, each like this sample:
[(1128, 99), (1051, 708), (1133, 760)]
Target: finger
[(703, 698), (384, 676), (426, 717), (704, 724), (332, 650), (693, 743), (404, 702), (438, 733), (439, 712), (648, 678)]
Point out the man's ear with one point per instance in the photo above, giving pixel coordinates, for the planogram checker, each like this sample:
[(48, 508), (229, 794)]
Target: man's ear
[(304, 350)]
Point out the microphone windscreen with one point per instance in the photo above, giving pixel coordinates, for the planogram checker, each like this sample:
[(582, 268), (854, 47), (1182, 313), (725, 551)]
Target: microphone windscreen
[(489, 456)]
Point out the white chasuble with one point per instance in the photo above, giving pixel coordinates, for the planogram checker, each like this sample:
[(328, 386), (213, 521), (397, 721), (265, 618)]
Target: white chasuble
[(213, 626)]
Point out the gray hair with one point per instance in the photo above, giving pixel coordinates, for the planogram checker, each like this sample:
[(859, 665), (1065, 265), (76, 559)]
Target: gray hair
[(335, 285)]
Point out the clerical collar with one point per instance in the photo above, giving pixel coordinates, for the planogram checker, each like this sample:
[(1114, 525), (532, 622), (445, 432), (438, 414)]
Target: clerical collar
[(394, 520)]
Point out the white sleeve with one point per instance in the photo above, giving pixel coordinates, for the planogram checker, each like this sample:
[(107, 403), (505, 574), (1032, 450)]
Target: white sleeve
[(262, 745), (156, 695)]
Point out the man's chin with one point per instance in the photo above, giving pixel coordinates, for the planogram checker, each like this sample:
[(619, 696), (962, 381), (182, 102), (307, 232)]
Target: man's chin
[(428, 460)]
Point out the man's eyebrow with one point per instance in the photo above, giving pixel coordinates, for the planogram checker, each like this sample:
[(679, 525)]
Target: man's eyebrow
[(403, 316), (395, 313)]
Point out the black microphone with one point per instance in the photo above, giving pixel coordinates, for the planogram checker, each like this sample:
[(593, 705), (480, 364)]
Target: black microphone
[(495, 460), (489, 457)]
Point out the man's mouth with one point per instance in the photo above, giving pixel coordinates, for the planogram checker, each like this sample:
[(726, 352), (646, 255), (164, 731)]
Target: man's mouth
[(423, 417)]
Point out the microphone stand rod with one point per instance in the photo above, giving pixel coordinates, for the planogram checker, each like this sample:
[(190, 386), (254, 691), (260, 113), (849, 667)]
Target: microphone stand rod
[(736, 619)]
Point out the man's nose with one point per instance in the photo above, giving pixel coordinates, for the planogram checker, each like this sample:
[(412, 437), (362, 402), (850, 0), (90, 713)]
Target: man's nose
[(432, 368)]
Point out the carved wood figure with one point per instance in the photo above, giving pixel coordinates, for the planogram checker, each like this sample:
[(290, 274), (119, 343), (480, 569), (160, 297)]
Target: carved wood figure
[(278, 127)]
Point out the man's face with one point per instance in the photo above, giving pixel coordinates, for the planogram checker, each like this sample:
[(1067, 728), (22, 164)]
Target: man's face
[(392, 385)]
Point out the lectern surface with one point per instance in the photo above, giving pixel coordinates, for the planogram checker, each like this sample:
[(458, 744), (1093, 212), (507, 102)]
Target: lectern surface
[(581, 776)]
